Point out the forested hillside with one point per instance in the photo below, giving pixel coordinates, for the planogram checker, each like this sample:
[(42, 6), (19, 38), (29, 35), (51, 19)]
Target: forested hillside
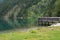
[(24, 13)]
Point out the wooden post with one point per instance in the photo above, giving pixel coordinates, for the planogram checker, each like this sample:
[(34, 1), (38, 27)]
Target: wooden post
[(42, 23), (45, 23), (38, 23), (48, 23)]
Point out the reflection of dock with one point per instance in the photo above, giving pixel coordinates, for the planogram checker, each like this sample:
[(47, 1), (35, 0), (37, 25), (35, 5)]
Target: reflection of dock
[(46, 21)]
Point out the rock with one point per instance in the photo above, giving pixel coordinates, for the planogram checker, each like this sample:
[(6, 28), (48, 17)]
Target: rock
[(57, 24)]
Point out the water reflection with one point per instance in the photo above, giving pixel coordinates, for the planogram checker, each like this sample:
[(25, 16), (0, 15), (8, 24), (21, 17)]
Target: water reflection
[(4, 25)]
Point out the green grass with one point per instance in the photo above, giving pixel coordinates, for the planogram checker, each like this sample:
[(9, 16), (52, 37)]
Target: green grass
[(44, 33)]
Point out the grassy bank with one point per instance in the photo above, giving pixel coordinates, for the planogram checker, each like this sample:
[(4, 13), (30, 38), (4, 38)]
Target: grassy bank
[(43, 33)]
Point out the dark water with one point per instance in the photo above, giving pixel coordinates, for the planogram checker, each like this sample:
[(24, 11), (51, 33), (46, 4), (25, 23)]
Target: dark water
[(1, 1), (4, 25)]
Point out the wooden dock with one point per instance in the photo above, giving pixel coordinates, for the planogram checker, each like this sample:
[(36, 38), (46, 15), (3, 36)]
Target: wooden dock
[(46, 21)]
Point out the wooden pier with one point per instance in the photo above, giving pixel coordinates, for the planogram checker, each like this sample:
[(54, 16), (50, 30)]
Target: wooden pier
[(47, 21)]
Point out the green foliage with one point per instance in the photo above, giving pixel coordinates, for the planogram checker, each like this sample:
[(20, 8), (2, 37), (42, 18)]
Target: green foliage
[(42, 34), (30, 11), (33, 31)]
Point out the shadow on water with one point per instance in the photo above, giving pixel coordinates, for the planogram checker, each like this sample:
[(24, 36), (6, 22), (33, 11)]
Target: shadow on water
[(4, 25)]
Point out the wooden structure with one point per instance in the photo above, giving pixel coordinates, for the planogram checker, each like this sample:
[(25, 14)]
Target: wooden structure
[(46, 21)]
